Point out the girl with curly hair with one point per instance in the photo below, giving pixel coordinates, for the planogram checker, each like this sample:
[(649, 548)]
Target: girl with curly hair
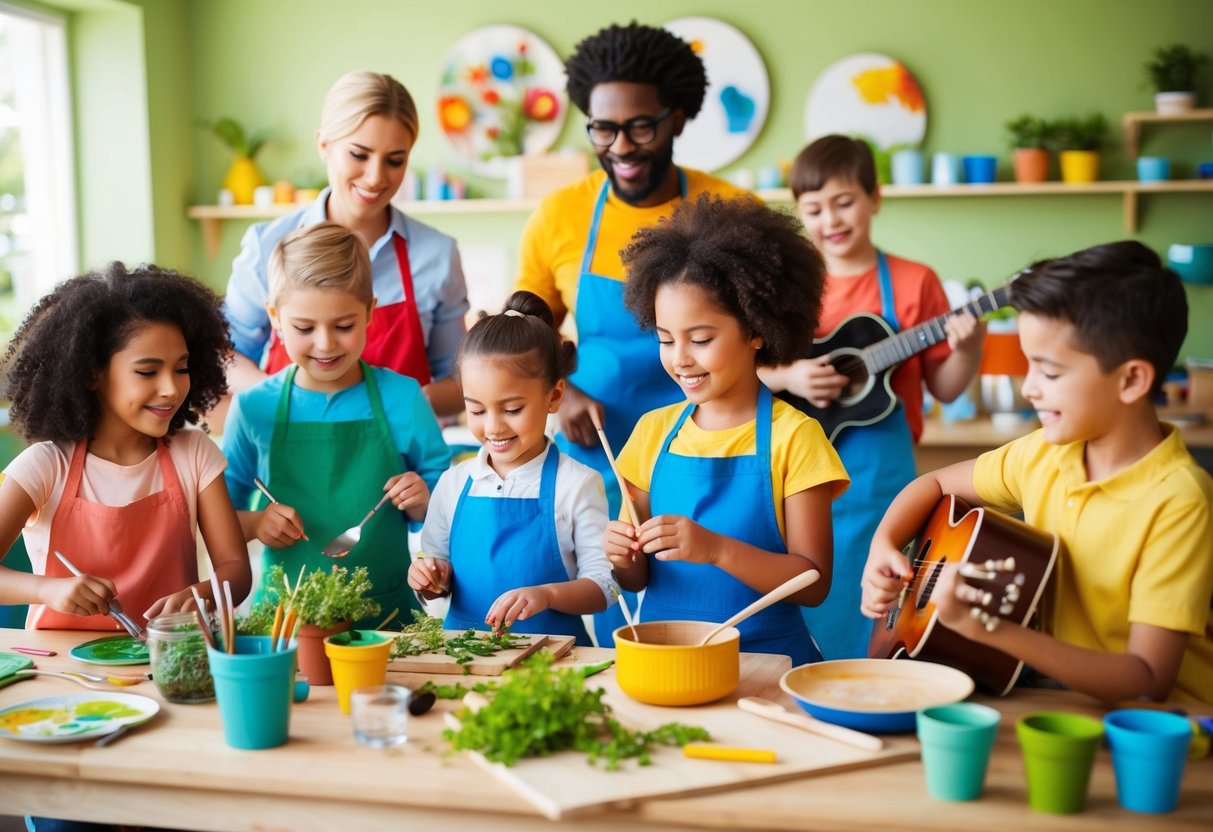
[(733, 488), (103, 376)]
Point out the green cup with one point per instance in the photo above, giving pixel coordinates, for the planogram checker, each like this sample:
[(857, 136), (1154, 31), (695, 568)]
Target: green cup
[(956, 743), (1058, 750)]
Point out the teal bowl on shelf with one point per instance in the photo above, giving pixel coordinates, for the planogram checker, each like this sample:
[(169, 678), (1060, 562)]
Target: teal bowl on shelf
[(1194, 263)]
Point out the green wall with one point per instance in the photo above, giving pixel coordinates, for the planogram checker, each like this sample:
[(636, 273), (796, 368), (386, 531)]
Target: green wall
[(269, 63)]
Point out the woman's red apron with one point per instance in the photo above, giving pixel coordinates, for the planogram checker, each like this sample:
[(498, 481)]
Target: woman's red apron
[(394, 339), (146, 548)]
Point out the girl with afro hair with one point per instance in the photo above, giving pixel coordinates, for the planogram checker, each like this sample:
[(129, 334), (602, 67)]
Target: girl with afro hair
[(733, 487), (103, 376)]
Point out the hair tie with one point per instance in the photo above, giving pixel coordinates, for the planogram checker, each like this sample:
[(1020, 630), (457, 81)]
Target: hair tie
[(515, 313)]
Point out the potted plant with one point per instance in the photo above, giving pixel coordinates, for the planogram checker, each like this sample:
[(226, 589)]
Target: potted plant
[(326, 603), (1172, 73), (242, 176), (1078, 142), (1029, 137)]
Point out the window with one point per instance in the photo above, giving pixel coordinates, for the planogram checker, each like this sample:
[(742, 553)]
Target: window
[(38, 245)]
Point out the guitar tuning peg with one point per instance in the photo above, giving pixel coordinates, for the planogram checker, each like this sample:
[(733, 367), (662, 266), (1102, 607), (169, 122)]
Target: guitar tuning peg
[(976, 612), (1020, 579), (992, 623), (1012, 593), (1006, 609), (987, 599)]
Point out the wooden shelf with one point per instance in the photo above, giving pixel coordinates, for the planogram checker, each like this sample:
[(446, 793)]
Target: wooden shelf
[(1134, 121), (212, 217)]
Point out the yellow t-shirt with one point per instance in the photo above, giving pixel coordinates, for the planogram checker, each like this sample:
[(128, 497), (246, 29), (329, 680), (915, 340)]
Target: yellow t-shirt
[(549, 257), (801, 456), (1138, 544)]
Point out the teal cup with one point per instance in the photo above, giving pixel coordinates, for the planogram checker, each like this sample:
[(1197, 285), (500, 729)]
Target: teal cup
[(1153, 168), (907, 167), (254, 688), (1149, 750), (956, 743), (1058, 751)]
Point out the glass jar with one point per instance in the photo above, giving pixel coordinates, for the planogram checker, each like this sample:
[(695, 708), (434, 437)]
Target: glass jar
[(180, 666)]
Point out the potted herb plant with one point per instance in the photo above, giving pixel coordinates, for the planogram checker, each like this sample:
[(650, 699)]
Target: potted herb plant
[(1078, 141), (326, 603), (1029, 137), (1172, 74), (242, 176)]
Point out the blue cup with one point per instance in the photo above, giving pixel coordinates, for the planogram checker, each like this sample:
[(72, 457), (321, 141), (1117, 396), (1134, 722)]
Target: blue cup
[(980, 170), (1153, 168), (945, 169), (254, 688), (1204, 170), (907, 167), (956, 743), (1149, 750)]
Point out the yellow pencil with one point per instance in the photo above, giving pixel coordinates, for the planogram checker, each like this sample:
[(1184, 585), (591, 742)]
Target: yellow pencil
[(700, 751)]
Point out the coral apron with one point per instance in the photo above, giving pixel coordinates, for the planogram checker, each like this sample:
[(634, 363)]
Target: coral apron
[(146, 548), (730, 496), (619, 365), (880, 460), (332, 474), (394, 339), (501, 543)]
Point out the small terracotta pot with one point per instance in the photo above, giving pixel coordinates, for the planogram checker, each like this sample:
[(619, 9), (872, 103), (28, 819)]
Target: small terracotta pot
[(1031, 164), (313, 662)]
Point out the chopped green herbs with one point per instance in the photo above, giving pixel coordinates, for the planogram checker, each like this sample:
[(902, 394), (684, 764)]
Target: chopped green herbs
[(536, 711), (425, 635)]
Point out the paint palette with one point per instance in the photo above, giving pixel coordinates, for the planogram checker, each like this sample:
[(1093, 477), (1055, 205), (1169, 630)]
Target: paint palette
[(81, 716), (112, 650), (10, 663)]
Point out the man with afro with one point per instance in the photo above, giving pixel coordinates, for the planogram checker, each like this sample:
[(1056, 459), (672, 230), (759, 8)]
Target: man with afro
[(638, 86)]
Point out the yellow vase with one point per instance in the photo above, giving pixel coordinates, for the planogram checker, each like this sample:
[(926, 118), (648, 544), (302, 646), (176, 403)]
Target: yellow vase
[(1079, 165), (242, 179)]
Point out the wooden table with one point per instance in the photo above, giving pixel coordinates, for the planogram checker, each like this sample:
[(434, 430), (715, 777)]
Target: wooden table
[(176, 772)]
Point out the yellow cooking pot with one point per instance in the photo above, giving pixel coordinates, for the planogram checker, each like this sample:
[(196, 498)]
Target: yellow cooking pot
[(664, 663)]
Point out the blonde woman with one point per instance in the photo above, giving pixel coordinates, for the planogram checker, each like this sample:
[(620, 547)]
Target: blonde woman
[(368, 127)]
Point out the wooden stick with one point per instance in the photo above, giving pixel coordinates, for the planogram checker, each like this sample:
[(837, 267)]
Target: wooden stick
[(231, 616), (277, 626), (633, 515), (288, 629), (217, 594), (202, 622)]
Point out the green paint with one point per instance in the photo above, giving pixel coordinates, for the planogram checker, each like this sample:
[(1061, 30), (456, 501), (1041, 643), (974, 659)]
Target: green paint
[(112, 650)]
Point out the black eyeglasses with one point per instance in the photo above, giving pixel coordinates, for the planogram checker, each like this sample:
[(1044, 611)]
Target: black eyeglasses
[(639, 130)]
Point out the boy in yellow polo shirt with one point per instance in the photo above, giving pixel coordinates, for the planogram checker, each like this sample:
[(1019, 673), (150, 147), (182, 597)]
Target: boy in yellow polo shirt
[(1129, 615)]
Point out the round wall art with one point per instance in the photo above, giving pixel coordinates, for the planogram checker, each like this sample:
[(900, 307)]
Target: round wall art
[(738, 94), (501, 95), (869, 96)]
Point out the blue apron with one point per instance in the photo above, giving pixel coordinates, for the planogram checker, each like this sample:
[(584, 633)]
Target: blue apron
[(880, 461), (730, 496), (619, 365), (503, 543)]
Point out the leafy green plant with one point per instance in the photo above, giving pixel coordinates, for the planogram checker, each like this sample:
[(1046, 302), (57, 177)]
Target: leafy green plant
[(1079, 133), (1173, 68), (1026, 131), (233, 135), (536, 711), (325, 598)]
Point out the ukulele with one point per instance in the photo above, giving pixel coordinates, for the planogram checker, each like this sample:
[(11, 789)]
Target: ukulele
[(866, 350), (1007, 559)]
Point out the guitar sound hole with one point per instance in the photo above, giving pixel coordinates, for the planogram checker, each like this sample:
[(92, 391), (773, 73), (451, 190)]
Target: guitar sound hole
[(929, 587), (916, 562), (851, 366)]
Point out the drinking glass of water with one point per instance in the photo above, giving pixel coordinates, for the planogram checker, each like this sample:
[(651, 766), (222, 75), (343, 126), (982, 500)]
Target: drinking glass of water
[(380, 715)]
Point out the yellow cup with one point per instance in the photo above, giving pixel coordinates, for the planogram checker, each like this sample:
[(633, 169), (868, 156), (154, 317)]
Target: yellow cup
[(664, 664), (359, 660)]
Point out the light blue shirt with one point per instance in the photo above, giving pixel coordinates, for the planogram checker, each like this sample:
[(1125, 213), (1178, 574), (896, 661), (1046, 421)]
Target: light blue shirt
[(250, 426), (437, 282)]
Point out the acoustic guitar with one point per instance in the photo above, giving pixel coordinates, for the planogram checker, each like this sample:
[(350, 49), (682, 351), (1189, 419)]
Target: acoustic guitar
[(1007, 559), (866, 350)]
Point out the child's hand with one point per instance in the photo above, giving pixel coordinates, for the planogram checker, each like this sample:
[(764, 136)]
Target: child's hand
[(517, 605), (674, 537), (816, 380), (177, 602), (83, 595), (620, 544), (430, 577), (574, 417), (884, 576), (965, 332), (408, 491), (279, 526), (954, 600)]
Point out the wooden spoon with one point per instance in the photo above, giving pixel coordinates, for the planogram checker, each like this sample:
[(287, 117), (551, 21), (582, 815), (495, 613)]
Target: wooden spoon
[(775, 712), (777, 594)]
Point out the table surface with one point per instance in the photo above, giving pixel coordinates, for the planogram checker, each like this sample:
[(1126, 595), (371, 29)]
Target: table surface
[(176, 772)]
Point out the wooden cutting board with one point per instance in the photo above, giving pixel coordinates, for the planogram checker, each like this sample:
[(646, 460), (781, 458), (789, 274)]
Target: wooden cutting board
[(493, 665), (565, 784)]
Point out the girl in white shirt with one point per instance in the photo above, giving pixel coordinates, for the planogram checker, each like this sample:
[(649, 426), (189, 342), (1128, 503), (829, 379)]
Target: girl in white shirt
[(514, 535)]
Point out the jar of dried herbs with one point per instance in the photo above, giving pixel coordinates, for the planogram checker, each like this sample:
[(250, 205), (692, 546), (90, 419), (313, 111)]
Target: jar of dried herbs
[(180, 667)]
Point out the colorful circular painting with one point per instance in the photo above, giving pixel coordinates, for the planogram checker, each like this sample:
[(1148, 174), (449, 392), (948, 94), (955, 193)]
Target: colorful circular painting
[(502, 95), (869, 96), (738, 95)]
